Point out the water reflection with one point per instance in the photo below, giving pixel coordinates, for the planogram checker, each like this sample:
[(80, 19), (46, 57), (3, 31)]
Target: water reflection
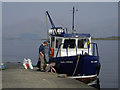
[(94, 82)]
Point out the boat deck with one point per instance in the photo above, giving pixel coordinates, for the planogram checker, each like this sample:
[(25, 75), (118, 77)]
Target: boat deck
[(15, 76)]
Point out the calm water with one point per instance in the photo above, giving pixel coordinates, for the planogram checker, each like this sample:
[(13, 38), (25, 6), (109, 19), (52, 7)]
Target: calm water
[(16, 50), (108, 51)]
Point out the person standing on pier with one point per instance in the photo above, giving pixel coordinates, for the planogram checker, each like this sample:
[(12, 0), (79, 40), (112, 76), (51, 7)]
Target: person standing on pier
[(42, 56)]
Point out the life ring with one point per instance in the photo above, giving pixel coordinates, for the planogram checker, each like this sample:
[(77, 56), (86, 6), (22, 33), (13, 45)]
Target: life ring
[(51, 52)]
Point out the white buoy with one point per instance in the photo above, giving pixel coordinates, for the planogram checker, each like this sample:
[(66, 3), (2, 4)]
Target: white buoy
[(25, 63), (30, 64)]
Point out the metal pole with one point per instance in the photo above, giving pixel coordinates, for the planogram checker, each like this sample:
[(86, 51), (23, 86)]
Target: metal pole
[(73, 19), (47, 27)]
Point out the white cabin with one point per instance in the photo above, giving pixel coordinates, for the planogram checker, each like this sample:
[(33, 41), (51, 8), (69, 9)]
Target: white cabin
[(70, 44)]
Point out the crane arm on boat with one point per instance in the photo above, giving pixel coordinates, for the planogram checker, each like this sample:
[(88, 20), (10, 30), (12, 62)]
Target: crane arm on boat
[(52, 24)]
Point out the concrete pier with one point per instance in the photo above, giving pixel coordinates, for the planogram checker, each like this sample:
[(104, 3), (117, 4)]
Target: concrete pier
[(15, 76)]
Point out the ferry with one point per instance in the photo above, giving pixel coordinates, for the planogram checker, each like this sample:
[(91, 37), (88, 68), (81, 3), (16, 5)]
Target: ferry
[(73, 53)]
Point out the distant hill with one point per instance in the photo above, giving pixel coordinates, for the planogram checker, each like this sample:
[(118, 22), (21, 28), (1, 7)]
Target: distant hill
[(108, 38)]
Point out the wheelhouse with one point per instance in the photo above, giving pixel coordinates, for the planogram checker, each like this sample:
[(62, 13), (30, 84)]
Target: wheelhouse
[(70, 44)]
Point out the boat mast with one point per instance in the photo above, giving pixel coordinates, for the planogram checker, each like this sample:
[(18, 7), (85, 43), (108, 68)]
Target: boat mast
[(47, 27), (73, 21)]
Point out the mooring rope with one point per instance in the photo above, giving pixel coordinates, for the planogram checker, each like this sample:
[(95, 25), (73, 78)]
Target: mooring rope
[(76, 65)]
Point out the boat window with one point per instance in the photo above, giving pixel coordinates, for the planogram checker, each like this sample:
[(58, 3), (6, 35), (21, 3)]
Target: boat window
[(58, 42), (83, 43), (69, 43)]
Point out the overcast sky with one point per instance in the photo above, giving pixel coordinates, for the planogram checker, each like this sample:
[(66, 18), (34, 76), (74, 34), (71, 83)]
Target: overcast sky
[(27, 18)]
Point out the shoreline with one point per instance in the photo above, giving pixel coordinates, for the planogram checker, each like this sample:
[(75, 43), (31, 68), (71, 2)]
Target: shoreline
[(108, 38)]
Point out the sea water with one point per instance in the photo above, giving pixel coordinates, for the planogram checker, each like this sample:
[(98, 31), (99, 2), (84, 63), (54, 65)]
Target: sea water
[(16, 50), (108, 52)]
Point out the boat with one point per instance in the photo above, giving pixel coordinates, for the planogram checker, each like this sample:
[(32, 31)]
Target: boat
[(73, 53)]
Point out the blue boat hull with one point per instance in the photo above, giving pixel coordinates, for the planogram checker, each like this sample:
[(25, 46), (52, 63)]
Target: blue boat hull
[(79, 65)]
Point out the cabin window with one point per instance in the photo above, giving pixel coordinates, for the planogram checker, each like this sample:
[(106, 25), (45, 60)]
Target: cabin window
[(83, 43), (58, 42), (69, 43)]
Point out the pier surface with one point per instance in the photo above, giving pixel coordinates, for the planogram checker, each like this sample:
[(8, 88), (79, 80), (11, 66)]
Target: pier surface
[(15, 76)]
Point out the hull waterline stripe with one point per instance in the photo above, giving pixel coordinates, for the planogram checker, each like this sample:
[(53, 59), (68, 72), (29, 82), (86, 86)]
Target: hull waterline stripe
[(90, 76)]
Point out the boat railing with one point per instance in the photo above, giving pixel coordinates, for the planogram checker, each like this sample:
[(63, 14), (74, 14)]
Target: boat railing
[(93, 45)]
